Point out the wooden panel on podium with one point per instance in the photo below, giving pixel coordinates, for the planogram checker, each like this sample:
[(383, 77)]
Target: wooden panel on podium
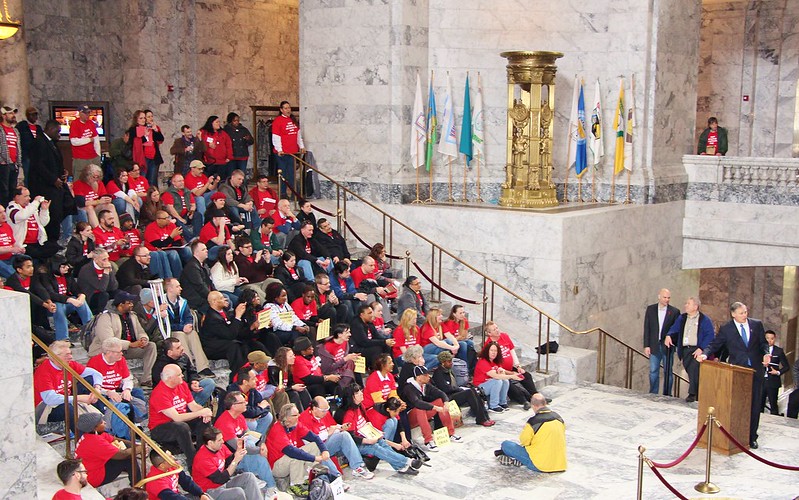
[(728, 389)]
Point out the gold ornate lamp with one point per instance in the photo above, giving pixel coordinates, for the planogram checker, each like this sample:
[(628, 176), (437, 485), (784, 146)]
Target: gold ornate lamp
[(8, 27), (531, 101)]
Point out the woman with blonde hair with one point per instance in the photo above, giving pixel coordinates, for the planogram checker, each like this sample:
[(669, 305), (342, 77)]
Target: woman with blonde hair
[(405, 335), (433, 340), (92, 197)]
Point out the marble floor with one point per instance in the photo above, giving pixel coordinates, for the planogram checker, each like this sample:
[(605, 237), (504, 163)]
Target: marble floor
[(605, 425)]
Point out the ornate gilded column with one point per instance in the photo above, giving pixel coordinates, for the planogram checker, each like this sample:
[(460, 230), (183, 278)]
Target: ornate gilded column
[(531, 101)]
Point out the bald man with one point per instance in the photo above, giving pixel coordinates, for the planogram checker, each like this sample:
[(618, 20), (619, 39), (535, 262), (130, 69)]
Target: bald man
[(658, 319), (174, 414), (219, 332)]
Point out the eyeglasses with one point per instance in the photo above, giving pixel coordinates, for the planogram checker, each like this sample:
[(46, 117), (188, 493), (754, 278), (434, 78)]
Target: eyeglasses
[(82, 471), (240, 403), (324, 409), (162, 218)]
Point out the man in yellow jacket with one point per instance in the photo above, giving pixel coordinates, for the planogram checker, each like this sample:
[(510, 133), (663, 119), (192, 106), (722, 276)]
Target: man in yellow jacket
[(543, 441)]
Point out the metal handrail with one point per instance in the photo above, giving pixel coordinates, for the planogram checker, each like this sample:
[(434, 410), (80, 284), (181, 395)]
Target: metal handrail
[(341, 204), (68, 371)]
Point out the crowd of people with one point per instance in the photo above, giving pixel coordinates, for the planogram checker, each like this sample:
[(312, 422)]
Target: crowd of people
[(331, 359)]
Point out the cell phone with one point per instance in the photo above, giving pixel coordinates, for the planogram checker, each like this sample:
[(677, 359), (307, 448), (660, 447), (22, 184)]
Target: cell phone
[(69, 178)]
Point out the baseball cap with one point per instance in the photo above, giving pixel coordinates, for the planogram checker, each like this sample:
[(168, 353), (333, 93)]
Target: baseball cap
[(420, 370), (8, 109), (84, 108)]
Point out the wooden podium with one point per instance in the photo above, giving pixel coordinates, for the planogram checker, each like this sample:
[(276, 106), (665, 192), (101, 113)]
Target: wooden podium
[(728, 389)]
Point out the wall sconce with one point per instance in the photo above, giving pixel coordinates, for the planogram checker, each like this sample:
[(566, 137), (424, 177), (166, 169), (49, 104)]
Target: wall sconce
[(8, 27)]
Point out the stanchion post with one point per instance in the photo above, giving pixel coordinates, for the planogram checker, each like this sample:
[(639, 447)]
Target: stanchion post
[(706, 486), (641, 451)]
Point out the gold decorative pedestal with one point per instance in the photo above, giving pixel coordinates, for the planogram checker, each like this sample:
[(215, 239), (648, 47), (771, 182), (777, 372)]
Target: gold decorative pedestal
[(531, 98)]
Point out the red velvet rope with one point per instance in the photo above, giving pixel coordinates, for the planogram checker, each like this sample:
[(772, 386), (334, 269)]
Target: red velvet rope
[(687, 452), (748, 452), (439, 287), (666, 483)]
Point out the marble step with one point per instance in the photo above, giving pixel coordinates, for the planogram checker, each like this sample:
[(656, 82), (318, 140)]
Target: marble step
[(47, 482)]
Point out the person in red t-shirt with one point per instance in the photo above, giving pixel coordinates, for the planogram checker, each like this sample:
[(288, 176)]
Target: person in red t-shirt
[(520, 393), (104, 456), (218, 148), (166, 488), (490, 376), (117, 383), (457, 324), (305, 307), (85, 141), (216, 232), (214, 466), (138, 182), (287, 141), (73, 475), (109, 237), (181, 204), (91, 196), (174, 414), (264, 197), (406, 334), (381, 384), (11, 160), (308, 371), (200, 185)]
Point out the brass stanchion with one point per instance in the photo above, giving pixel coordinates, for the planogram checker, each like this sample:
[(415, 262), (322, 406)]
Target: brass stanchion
[(479, 198), (627, 201), (641, 451), (706, 486)]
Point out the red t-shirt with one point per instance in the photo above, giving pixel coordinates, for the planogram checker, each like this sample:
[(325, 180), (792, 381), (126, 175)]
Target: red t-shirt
[(377, 389), (12, 140), (81, 188), (451, 326), (206, 462), (401, 341), (193, 182), (164, 398), (95, 450), (6, 239), (317, 426), (157, 486), (264, 200), (134, 236), (357, 420), (62, 284), (304, 367), (481, 369), (168, 199), (377, 419), (32, 233), (33, 129), (78, 130), (425, 334), (338, 351), (62, 494), (230, 427), (304, 311), (210, 231), (139, 184), (154, 233), (279, 220), (112, 188), (107, 239), (713, 141), (287, 130), (277, 438), (50, 378), (358, 275), (113, 375), (506, 346), (262, 380)]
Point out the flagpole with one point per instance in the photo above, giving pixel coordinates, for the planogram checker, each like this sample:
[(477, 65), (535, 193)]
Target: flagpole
[(627, 201), (463, 197), (479, 199), (417, 200), (430, 171), (613, 188), (593, 185), (449, 164)]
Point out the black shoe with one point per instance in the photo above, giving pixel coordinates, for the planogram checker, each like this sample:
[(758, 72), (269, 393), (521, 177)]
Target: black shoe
[(498, 453), (753, 445), (416, 464), (207, 373), (690, 399)]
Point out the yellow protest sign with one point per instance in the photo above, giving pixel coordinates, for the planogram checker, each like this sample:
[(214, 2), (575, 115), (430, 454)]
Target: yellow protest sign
[(323, 330), (370, 432), (360, 365), (264, 319), (454, 409), (286, 317), (441, 436)]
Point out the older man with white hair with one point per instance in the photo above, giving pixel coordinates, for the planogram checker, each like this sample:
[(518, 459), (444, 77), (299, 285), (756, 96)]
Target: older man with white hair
[(117, 383)]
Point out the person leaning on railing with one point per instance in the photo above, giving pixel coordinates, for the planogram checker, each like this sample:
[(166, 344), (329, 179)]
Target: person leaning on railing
[(48, 384), (104, 456)]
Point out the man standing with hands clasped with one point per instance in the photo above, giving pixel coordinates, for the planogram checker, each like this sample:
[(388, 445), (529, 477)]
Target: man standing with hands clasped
[(658, 319), (691, 333), (745, 340)]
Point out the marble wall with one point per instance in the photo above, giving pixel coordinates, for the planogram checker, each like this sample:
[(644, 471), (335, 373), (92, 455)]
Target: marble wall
[(750, 48), (17, 429), (760, 288), (220, 56), (373, 64)]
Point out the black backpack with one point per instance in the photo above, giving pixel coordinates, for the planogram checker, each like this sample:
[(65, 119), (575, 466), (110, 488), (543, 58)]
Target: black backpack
[(319, 487), (87, 331)]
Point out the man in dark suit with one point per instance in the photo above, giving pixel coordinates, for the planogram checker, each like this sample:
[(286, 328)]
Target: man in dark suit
[(745, 339), (777, 366), (46, 176), (658, 319), (196, 278)]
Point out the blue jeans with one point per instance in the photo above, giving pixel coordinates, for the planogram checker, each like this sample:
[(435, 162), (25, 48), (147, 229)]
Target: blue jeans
[(232, 297), (390, 429), (202, 202), (431, 353), (152, 172), (159, 265), (193, 226), (286, 164), (204, 396), (66, 226), (383, 451), (6, 270), (260, 425), (62, 310), (519, 452), (341, 442), (497, 391), (659, 354), (236, 165), (259, 466)]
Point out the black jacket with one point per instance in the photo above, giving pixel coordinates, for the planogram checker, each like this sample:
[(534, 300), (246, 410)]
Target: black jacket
[(420, 401), (89, 284), (359, 337), (75, 255), (445, 380), (132, 273), (297, 246), (653, 336), (50, 284), (334, 244), (216, 333), (47, 165), (189, 372), (778, 362), (196, 282)]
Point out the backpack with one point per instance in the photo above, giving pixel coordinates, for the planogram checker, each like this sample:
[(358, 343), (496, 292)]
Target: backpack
[(319, 487), (461, 371), (86, 334)]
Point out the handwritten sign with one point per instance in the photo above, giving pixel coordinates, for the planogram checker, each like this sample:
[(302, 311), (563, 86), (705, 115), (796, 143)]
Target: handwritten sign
[(323, 330), (441, 437), (280, 378), (370, 432), (264, 319), (286, 317), (360, 365), (454, 409)]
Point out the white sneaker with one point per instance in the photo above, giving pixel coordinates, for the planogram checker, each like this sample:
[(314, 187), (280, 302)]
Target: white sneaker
[(431, 446), (455, 439), (363, 473)]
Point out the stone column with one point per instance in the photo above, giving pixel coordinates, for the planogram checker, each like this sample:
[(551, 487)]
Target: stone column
[(17, 428), (14, 74)]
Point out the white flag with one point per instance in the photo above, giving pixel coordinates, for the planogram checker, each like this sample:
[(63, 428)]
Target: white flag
[(595, 143), (629, 130), (478, 137), (418, 128), (448, 145)]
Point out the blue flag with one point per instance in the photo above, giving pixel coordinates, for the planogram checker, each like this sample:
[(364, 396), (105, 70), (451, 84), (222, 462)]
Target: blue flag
[(466, 124), (432, 126), (581, 161)]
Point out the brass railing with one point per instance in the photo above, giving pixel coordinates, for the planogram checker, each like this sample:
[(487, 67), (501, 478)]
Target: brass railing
[(133, 428), (490, 286)]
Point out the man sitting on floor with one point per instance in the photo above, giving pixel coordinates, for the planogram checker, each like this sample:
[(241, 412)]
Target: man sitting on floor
[(542, 446)]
